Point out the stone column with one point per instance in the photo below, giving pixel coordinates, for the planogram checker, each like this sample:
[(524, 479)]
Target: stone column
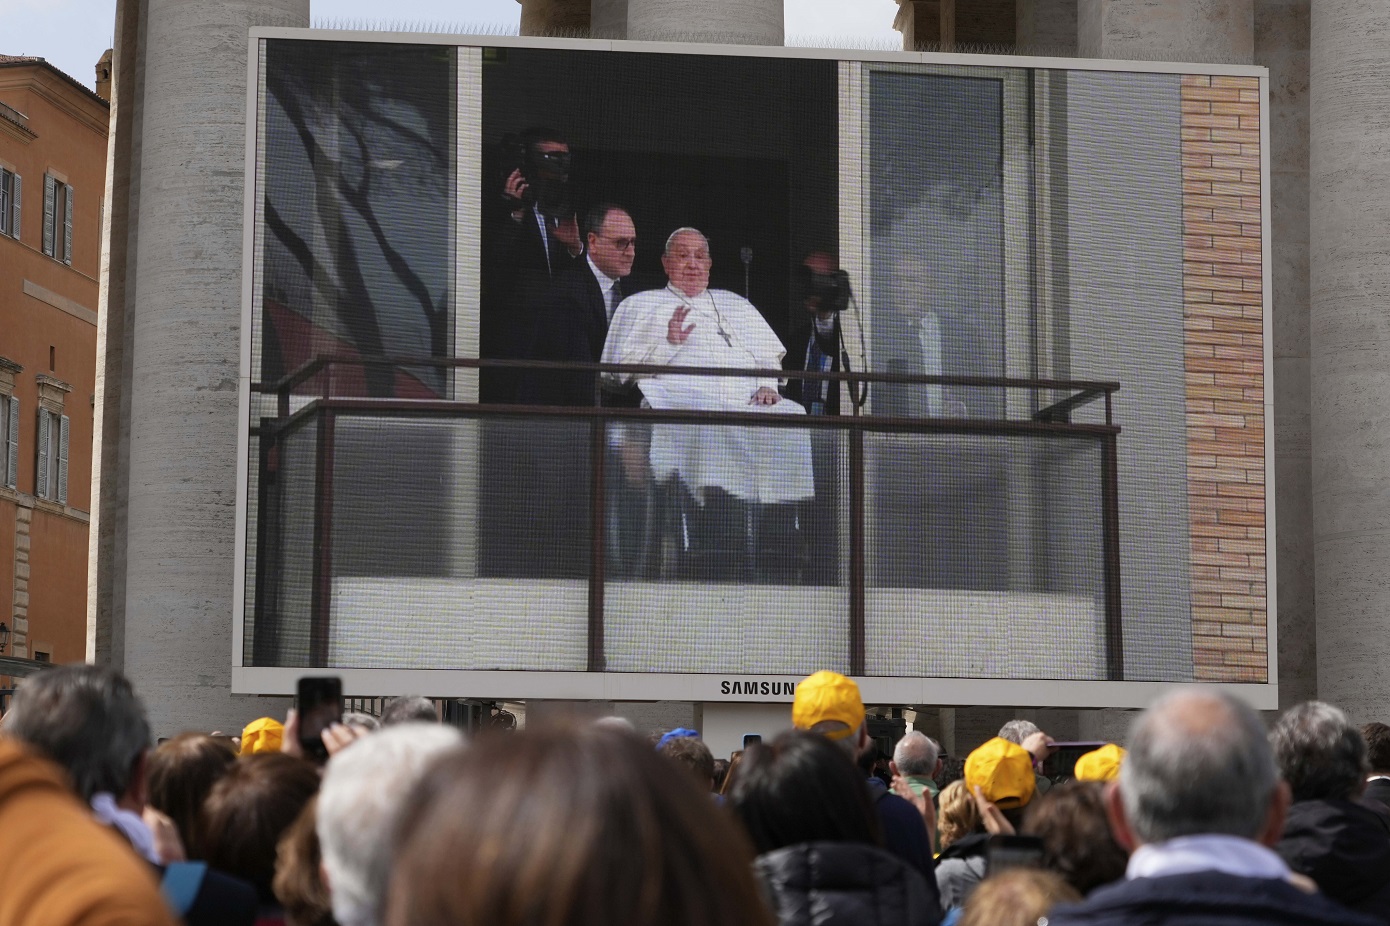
[(164, 585), (562, 18), (1174, 30), (1349, 113), (738, 22), (1046, 26), (608, 19), (1281, 44), (929, 24)]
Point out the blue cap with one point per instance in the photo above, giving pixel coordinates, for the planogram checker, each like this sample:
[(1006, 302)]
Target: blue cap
[(676, 734)]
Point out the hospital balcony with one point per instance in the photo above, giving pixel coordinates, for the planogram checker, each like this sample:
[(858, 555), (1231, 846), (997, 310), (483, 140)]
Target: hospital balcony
[(977, 537)]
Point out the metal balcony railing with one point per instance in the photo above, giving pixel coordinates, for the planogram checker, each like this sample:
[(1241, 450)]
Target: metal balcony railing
[(317, 398)]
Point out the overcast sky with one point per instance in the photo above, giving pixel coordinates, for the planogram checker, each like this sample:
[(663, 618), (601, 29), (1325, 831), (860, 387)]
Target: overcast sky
[(72, 34)]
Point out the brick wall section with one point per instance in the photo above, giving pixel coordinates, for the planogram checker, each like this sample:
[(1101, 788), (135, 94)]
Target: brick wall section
[(1224, 321)]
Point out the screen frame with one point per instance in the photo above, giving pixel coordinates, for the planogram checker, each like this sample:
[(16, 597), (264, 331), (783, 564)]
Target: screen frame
[(732, 687)]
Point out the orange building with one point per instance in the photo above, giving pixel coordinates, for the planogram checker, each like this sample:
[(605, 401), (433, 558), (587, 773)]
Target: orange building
[(52, 178)]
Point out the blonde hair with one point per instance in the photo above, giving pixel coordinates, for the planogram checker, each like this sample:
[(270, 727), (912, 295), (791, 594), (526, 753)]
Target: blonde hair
[(1017, 897), (958, 816)]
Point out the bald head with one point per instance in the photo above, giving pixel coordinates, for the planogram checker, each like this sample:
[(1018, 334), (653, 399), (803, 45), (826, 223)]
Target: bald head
[(1199, 762)]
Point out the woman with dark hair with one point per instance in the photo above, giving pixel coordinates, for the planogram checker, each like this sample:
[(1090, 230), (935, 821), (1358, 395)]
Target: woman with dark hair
[(248, 811), (811, 819), (568, 827), (180, 774), (1077, 842)]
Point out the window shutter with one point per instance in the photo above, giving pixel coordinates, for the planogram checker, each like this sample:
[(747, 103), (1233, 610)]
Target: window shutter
[(14, 204), (63, 459), (12, 440), (41, 468), (50, 191), (67, 224), (6, 184)]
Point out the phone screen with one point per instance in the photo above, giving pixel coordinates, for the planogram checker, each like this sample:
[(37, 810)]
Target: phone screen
[(1005, 852), (320, 706), (750, 739)]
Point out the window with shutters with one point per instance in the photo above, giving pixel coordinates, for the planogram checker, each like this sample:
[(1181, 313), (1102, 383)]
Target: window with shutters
[(51, 474), (9, 441), (9, 424), (11, 194), (51, 450), (57, 219)]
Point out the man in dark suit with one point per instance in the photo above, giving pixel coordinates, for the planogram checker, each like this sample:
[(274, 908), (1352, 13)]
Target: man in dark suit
[(571, 322), (530, 238), (1377, 737), (816, 345)]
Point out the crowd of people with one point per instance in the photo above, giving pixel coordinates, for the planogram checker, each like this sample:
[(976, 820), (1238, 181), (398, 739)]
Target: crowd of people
[(1203, 816)]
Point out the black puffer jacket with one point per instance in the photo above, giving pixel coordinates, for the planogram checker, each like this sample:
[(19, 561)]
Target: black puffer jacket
[(819, 883), (1345, 847)]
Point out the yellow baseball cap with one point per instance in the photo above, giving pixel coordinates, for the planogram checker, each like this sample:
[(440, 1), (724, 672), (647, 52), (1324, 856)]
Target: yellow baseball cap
[(1101, 764), (826, 696), (1004, 772), (263, 734)]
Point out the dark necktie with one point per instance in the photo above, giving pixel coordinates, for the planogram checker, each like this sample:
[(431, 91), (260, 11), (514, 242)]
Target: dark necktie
[(615, 296)]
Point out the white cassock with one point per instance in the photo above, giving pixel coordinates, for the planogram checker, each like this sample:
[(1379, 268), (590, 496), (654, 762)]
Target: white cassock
[(754, 464)]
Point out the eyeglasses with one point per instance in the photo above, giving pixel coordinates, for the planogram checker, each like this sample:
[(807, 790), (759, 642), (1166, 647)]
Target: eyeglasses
[(622, 244), (556, 158)]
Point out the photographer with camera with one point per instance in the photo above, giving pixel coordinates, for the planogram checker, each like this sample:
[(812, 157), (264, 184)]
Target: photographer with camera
[(531, 237), (817, 345)]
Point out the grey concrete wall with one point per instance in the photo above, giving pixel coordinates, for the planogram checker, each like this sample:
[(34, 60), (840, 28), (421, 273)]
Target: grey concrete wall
[(182, 316), (1281, 44), (1349, 112), (743, 22), (1171, 30), (1045, 25), (608, 19)]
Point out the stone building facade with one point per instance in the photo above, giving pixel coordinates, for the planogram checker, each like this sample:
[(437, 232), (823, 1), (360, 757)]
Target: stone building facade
[(52, 179)]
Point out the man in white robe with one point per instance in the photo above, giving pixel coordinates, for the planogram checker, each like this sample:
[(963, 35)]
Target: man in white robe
[(689, 324)]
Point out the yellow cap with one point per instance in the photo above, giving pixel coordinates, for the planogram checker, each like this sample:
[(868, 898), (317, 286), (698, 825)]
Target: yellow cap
[(1101, 764), (1004, 772), (262, 735), (827, 696)]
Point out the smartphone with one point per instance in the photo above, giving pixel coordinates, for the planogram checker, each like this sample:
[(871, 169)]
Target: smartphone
[(750, 739), (1005, 852), (320, 704)]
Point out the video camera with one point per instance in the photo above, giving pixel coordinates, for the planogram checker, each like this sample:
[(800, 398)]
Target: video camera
[(547, 174), (830, 291)]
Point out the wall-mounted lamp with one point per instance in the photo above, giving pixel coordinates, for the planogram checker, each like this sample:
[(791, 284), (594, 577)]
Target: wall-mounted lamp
[(4, 636)]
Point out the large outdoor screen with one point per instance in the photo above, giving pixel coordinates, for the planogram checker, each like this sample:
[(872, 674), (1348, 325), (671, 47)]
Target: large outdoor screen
[(615, 370)]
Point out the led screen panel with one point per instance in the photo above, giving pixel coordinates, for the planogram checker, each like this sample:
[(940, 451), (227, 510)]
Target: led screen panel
[(595, 368)]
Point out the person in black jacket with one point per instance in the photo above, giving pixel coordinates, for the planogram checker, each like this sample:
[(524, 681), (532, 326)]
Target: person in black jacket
[(819, 846), (530, 237), (1331, 835), (1199, 802), (816, 345), (571, 323)]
